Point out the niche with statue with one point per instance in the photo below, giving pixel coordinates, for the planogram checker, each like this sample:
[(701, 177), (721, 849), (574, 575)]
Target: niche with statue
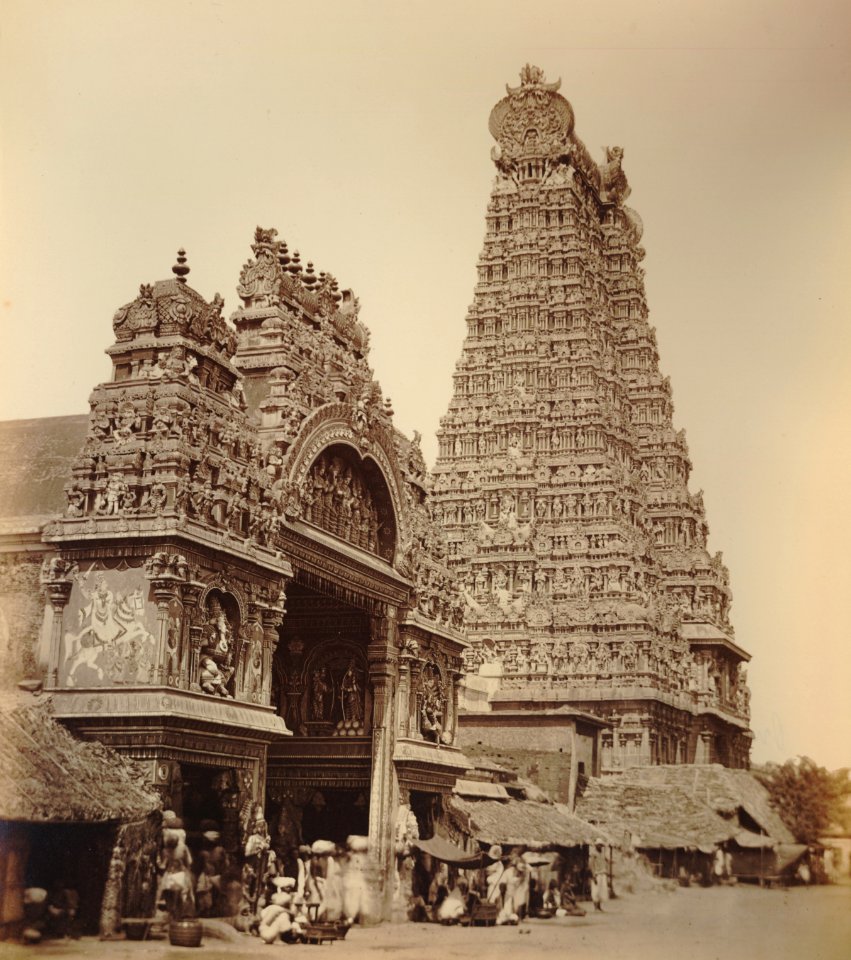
[(336, 700), (220, 651)]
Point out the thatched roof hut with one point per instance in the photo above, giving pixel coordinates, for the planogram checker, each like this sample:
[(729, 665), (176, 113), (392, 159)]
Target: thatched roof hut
[(521, 823), (51, 777), (657, 816), (734, 794)]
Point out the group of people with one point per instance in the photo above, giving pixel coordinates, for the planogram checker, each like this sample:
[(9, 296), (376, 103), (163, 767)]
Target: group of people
[(273, 895), (510, 889), (50, 914), (314, 884)]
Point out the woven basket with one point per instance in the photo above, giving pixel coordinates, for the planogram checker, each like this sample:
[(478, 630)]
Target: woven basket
[(185, 933)]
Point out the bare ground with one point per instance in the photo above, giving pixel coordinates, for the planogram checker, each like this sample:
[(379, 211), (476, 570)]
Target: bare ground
[(722, 923)]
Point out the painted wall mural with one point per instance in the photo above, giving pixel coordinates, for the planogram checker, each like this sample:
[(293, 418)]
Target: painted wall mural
[(110, 627)]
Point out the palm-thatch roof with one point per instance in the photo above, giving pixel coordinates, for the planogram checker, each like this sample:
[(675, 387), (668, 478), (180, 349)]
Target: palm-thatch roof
[(727, 792), (657, 816), (521, 823), (35, 463), (49, 776)]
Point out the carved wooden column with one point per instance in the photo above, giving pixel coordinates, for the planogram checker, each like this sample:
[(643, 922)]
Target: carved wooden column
[(165, 591), (167, 573), (403, 694), (382, 655), (191, 593), (271, 618), (452, 705), (294, 687), (56, 579), (405, 691), (416, 668)]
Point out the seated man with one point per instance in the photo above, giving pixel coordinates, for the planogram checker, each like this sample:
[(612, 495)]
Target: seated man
[(454, 905), (569, 906)]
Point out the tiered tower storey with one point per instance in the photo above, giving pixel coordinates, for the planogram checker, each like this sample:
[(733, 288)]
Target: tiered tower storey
[(561, 481)]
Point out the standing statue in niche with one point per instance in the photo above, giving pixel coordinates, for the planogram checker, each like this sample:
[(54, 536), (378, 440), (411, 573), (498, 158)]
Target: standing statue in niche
[(319, 694), (350, 690), (432, 711), (254, 685)]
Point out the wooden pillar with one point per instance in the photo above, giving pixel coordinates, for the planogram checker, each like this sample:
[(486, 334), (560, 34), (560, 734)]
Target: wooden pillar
[(382, 655), (191, 640), (165, 590), (403, 695), (271, 618), (56, 580), (414, 730)]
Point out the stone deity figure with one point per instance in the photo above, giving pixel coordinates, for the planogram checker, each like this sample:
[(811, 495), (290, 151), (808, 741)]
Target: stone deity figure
[(319, 693), (430, 724), (211, 678), (351, 695), (256, 854), (254, 685), (218, 627), (76, 502)]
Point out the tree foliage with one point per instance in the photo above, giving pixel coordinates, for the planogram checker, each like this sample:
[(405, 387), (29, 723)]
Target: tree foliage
[(808, 797)]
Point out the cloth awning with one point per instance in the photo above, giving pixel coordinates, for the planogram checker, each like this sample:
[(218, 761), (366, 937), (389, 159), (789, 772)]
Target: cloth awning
[(789, 854), (536, 858), (749, 840), (449, 853)]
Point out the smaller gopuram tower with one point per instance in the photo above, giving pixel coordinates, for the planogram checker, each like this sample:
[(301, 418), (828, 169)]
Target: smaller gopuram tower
[(165, 587), (561, 481)]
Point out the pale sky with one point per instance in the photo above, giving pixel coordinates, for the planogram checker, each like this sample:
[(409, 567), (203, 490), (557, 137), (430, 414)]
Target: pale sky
[(359, 130)]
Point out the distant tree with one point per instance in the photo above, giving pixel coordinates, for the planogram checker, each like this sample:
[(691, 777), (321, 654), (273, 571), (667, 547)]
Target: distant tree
[(808, 797)]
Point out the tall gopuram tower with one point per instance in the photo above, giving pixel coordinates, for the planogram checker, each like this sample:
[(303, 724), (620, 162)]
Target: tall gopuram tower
[(561, 481)]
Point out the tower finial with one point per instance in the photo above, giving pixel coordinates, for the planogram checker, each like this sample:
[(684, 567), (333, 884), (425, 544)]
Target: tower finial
[(180, 270)]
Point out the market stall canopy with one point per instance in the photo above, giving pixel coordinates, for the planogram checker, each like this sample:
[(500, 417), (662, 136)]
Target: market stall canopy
[(521, 823), (749, 840), (539, 858), (448, 852), (51, 777), (788, 854)]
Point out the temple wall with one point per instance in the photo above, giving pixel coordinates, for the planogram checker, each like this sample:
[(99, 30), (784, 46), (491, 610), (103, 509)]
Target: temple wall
[(22, 618), (546, 755)]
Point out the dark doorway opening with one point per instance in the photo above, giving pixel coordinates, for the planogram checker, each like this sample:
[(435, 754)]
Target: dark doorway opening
[(74, 856), (210, 801), (427, 809), (334, 815)]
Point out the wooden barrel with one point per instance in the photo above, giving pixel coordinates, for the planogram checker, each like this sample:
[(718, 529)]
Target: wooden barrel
[(185, 933)]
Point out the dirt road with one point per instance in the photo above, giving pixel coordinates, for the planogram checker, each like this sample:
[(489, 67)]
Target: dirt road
[(722, 923)]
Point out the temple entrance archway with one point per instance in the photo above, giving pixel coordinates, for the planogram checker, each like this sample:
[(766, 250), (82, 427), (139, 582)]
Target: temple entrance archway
[(318, 780)]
